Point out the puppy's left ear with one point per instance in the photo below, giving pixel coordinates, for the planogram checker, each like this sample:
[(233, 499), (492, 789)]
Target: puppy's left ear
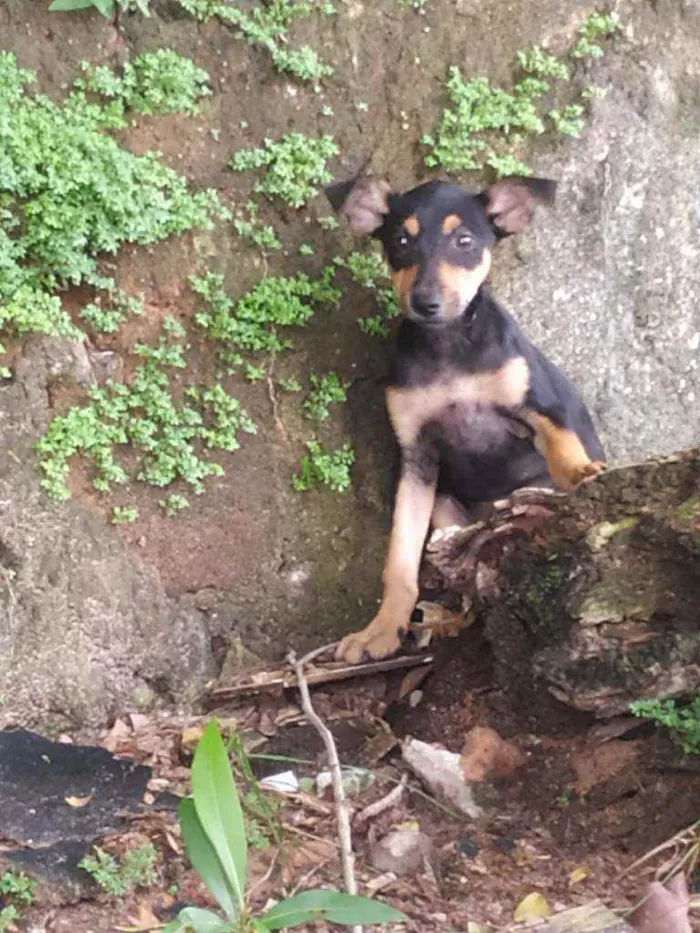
[(511, 202), (363, 201)]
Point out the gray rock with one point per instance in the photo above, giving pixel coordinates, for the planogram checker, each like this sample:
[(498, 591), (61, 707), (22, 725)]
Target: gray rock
[(402, 852), (84, 624)]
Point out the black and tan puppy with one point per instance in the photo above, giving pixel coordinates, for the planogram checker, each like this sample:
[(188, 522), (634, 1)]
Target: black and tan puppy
[(477, 409)]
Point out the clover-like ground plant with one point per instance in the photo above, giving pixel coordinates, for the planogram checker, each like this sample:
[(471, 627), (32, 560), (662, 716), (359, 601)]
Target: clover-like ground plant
[(212, 826)]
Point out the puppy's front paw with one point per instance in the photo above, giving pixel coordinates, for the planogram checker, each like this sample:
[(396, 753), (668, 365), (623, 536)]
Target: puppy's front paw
[(378, 640)]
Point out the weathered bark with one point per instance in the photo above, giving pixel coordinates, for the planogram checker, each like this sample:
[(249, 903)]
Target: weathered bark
[(605, 583)]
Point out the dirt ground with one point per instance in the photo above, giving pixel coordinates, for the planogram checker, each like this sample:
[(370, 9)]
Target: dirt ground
[(589, 800)]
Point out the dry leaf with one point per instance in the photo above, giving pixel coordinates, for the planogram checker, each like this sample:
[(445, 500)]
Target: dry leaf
[(579, 874), (78, 801), (665, 908), (190, 737), (532, 907), (478, 927)]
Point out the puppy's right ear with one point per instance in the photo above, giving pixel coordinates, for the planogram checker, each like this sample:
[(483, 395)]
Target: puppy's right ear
[(363, 201)]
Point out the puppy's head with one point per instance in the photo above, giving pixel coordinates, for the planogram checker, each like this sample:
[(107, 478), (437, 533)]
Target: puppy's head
[(438, 237)]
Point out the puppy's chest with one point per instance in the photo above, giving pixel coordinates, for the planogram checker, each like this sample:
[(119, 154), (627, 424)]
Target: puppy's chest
[(460, 407)]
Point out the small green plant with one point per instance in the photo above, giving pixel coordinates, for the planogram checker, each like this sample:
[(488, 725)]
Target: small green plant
[(124, 515), (137, 869), (9, 918), (262, 814), (18, 887), (597, 26), (108, 318), (418, 5), (267, 25), (568, 121), (325, 390), (682, 722), (487, 126), (253, 323), (328, 468), (294, 166), (154, 83), (306, 249), (174, 504), (71, 194), (329, 222), (290, 385), (213, 828), (144, 413), (108, 8), (261, 235), (368, 270), (536, 61)]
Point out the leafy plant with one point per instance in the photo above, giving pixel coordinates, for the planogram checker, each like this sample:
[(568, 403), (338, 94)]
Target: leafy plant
[(368, 270), (174, 504), (136, 869), (213, 828), (682, 722), (598, 26), (290, 385), (294, 166), (328, 468), (262, 235), (123, 515), (9, 917), (568, 121), (156, 82), (108, 8), (252, 323), (72, 193), (17, 886), (536, 61), (487, 126), (325, 390), (144, 413), (267, 25), (108, 319)]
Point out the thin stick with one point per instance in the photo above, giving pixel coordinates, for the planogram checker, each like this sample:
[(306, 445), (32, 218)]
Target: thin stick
[(384, 803), (347, 858)]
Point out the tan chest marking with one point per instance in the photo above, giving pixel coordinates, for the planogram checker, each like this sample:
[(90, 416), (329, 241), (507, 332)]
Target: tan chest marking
[(410, 409)]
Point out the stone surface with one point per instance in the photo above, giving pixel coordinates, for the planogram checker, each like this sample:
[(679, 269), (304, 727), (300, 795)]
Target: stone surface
[(488, 757), (85, 626), (402, 852), (441, 770)]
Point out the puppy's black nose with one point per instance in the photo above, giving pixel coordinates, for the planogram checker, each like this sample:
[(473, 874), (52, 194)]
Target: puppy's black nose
[(426, 303)]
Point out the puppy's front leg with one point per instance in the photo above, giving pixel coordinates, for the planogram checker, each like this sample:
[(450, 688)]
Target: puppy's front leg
[(415, 498)]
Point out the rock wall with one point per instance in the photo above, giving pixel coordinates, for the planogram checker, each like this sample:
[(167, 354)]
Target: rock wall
[(92, 618)]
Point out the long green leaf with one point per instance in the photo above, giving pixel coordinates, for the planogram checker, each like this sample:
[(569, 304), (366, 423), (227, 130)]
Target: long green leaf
[(197, 920), (106, 7), (345, 909), (204, 858), (69, 5), (219, 808)]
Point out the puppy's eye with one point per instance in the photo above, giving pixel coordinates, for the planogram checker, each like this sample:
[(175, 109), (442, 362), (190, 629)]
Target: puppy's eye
[(402, 240), (464, 240)]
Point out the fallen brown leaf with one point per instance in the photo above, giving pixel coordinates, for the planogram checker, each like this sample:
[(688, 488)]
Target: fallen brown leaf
[(78, 801), (665, 908)]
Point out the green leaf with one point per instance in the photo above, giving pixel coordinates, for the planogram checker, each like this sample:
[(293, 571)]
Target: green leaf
[(204, 858), (219, 808), (106, 7), (69, 5), (346, 909), (198, 920)]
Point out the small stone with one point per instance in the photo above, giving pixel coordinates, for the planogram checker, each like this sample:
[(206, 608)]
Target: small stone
[(505, 844), (469, 846), (402, 852), (486, 756), (442, 771)]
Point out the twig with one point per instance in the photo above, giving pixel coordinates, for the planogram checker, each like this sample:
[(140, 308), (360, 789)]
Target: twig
[(384, 803), (347, 858), (304, 880), (266, 877)]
